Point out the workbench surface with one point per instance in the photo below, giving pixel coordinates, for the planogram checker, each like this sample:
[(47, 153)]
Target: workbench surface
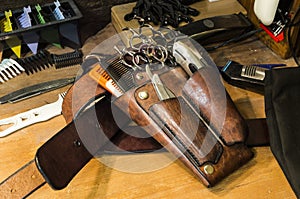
[(259, 178)]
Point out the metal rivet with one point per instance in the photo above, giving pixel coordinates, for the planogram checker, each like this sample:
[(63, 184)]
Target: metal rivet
[(77, 143), (209, 169), (208, 23), (143, 95), (139, 76)]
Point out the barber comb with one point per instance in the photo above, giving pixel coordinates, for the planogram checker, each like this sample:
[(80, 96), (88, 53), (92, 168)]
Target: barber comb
[(67, 59), (35, 63), (113, 75), (104, 80), (10, 68), (57, 12), (6, 26), (39, 15), (121, 74), (43, 59), (30, 38)]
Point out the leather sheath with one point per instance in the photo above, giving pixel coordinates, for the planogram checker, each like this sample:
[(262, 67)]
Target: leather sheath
[(188, 126), (62, 157)]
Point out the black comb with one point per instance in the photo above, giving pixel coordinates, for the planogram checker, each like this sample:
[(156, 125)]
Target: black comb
[(43, 59), (121, 74), (35, 63), (67, 59)]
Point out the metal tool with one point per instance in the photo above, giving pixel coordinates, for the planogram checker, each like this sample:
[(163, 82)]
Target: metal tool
[(32, 116), (247, 76), (155, 36), (34, 90), (146, 45), (161, 90), (190, 60)]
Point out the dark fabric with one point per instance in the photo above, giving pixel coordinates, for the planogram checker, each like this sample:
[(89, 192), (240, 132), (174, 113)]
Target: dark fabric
[(282, 99), (188, 2)]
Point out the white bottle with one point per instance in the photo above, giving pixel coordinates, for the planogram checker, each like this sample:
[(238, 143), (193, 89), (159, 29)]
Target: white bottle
[(265, 10)]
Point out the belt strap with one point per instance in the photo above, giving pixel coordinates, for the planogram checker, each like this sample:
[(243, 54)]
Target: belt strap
[(258, 132), (23, 182)]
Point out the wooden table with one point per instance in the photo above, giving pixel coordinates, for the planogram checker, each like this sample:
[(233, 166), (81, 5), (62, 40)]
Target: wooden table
[(260, 178)]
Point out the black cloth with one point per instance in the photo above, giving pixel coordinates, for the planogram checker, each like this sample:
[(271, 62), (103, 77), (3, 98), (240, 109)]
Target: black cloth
[(282, 100)]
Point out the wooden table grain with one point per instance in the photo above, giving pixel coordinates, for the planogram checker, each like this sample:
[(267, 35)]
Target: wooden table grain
[(120, 177)]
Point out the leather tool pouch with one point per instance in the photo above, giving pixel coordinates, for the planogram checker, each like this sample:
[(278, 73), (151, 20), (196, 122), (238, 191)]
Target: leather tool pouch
[(201, 125)]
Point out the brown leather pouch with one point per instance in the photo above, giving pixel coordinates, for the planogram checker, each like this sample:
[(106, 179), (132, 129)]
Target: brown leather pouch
[(201, 125)]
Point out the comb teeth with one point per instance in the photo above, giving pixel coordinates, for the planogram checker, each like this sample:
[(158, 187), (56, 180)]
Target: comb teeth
[(121, 75), (43, 59), (24, 18), (5, 23), (35, 63), (57, 12), (103, 74), (104, 80), (39, 15), (9, 69), (67, 59)]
